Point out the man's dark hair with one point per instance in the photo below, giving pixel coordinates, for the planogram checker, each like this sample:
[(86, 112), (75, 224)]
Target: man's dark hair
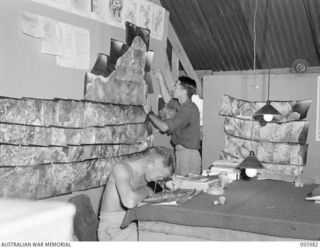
[(189, 85), (167, 156)]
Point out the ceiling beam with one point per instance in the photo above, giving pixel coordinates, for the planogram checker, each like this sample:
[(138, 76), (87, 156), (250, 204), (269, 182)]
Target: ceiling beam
[(181, 54)]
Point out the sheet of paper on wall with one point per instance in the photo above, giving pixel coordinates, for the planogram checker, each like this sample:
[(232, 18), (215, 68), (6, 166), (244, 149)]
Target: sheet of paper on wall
[(50, 29), (39, 1), (80, 7), (50, 39), (115, 13), (67, 40), (65, 61), (158, 22), (82, 46), (145, 14), (59, 4), (130, 11), (75, 46), (99, 10), (31, 24), (49, 47)]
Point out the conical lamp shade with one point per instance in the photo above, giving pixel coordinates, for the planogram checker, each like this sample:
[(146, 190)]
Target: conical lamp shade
[(267, 109), (251, 162)]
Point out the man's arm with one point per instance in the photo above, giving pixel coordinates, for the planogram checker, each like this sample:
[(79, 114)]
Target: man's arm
[(159, 123), (129, 195), (162, 85)]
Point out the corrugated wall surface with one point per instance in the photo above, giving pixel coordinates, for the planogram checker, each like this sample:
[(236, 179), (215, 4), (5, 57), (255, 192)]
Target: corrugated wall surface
[(218, 35)]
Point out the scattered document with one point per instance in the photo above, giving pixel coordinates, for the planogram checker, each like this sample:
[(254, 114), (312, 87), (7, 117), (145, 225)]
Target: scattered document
[(314, 195), (174, 197), (193, 181)]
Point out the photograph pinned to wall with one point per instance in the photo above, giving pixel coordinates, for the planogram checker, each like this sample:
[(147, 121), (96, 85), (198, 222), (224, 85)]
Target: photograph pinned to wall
[(145, 14), (130, 11), (158, 22), (318, 111), (115, 13), (99, 10)]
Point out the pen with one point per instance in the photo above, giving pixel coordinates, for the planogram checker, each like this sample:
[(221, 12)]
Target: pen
[(154, 188)]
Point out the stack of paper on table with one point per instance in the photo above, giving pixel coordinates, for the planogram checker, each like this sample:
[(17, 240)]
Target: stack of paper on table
[(193, 181), (224, 166)]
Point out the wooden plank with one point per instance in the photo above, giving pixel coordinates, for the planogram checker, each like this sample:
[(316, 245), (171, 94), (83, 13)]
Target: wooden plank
[(181, 54), (174, 65), (185, 62)]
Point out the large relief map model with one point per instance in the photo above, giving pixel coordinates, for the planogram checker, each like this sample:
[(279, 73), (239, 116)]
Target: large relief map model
[(281, 145), (50, 147)]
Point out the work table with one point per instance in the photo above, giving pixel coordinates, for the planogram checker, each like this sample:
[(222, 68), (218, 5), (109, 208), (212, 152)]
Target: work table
[(264, 207)]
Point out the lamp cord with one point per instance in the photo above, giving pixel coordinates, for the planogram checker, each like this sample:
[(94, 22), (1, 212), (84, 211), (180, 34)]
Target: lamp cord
[(268, 57), (268, 99), (254, 66)]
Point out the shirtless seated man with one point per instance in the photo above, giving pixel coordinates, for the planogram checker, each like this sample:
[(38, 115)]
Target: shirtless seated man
[(126, 187)]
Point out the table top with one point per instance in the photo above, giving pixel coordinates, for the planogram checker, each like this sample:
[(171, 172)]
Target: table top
[(266, 207)]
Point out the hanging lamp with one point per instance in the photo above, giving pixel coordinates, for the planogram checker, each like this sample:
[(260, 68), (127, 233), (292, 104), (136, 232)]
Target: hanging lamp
[(251, 163), (267, 112)]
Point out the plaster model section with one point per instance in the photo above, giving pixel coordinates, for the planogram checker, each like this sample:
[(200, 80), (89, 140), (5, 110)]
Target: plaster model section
[(67, 113), (290, 110), (59, 136), (15, 155), (269, 152), (53, 147), (37, 182), (125, 85), (291, 131), (281, 145)]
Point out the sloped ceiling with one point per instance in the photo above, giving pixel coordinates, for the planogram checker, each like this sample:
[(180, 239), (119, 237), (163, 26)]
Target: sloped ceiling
[(219, 35)]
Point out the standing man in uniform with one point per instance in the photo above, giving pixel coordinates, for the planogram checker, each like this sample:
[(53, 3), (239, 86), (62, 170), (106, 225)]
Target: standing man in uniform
[(184, 126)]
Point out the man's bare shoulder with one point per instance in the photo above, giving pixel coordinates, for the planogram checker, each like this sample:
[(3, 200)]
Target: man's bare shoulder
[(121, 169)]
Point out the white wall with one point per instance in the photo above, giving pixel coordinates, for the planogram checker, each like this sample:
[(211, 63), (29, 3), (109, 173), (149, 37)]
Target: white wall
[(244, 85)]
